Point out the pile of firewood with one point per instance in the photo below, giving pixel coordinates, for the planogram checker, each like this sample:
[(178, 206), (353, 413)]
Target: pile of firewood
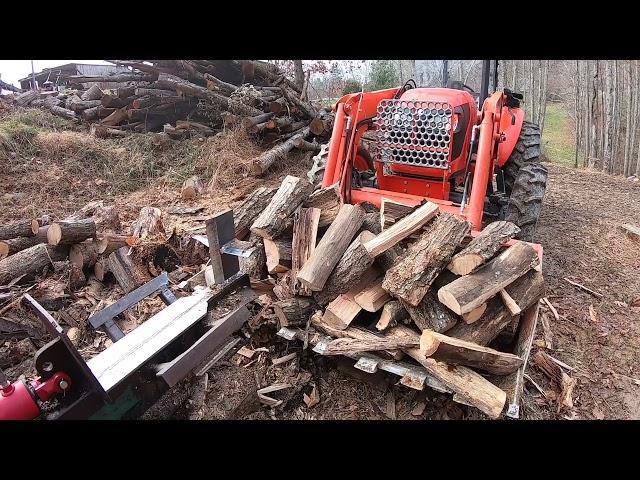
[(396, 282), (182, 98)]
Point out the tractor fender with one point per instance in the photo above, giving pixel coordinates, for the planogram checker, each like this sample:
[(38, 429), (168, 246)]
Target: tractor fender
[(511, 132)]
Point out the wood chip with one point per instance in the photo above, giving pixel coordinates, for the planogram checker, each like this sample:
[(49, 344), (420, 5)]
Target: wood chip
[(284, 359), (313, 398), (274, 388), (592, 314), (546, 331), (246, 352)]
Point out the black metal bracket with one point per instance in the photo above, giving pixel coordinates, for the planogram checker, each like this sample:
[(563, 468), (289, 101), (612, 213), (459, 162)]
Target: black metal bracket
[(105, 317)]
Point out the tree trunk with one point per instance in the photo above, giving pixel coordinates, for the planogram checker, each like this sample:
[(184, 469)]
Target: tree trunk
[(272, 221), (410, 278)]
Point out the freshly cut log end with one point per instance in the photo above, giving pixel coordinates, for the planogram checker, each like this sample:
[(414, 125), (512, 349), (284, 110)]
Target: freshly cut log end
[(4, 249), (341, 312), (192, 188), (483, 247), (278, 254), (70, 232), (24, 228), (373, 297), (429, 343)]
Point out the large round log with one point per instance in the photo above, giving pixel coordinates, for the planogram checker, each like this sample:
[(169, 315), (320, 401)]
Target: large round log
[(71, 232), (30, 261), (23, 228)]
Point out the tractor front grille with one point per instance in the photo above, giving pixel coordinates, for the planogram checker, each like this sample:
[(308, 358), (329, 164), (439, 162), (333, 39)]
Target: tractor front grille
[(412, 132)]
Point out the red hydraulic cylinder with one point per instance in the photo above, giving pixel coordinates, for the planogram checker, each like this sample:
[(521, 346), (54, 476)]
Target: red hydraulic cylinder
[(16, 403), (481, 172), (334, 147)]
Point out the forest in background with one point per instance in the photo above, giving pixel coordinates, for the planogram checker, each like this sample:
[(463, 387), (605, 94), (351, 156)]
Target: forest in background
[(595, 102)]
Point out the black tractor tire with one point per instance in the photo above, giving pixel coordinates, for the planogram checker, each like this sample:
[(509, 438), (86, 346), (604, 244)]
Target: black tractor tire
[(528, 149), (525, 202)]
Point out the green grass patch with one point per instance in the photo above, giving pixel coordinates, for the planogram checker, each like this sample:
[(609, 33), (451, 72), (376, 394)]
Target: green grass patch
[(558, 137)]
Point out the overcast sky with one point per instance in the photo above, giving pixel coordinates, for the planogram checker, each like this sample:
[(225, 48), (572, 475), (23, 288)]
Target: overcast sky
[(13, 70)]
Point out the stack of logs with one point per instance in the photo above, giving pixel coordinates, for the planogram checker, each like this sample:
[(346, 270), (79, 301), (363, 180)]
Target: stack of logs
[(183, 98), (397, 281), (85, 243)]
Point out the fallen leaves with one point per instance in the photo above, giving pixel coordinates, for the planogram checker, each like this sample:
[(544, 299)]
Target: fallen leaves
[(312, 399)]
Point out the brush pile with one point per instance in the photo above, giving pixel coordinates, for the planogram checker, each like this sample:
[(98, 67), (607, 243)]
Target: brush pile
[(183, 98), (408, 290)]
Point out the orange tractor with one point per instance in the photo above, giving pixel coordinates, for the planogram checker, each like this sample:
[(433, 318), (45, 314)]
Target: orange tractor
[(473, 154)]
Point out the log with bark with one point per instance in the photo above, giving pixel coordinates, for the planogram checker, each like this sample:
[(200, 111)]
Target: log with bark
[(348, 271), (483, 247), (430, 314), (291, 193), (191, 188), (412, 275), (392, 313), (84, 254), (127, 273), (262, 163), (246, 213), (329, 251), (70, 232), (471, 291), (31, 261), (459, 352), (391, 212), (23, 228), (278, 254), (294, 312), (328, 201), (15, 245), (92, 93), (255, 265)]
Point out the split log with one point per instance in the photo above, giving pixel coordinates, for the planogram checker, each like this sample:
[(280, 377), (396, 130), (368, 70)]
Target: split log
[(305, 232), (430, 314), (334, 243), (294, 312), (84, 254), (468, 385), (77, 279), (483, 247), (527, 290), (149, 222), (30, 261), (92, 93), (471, 291), (459, 352), (372, 297), (412, 275), (292, 192), (348, 272), (23, 228), (392, 313), (483, 331), (402, 229), (350, 346), (261, 164), (391, 212), (341, 312), (70, 232), (328, 201), (191, 188), (247, 212), (255, 265), (278, 254), (128, 275)]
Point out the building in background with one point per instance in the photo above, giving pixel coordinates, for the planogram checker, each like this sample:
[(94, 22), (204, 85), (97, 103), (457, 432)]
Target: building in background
[(6, 88), (57, 75)]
